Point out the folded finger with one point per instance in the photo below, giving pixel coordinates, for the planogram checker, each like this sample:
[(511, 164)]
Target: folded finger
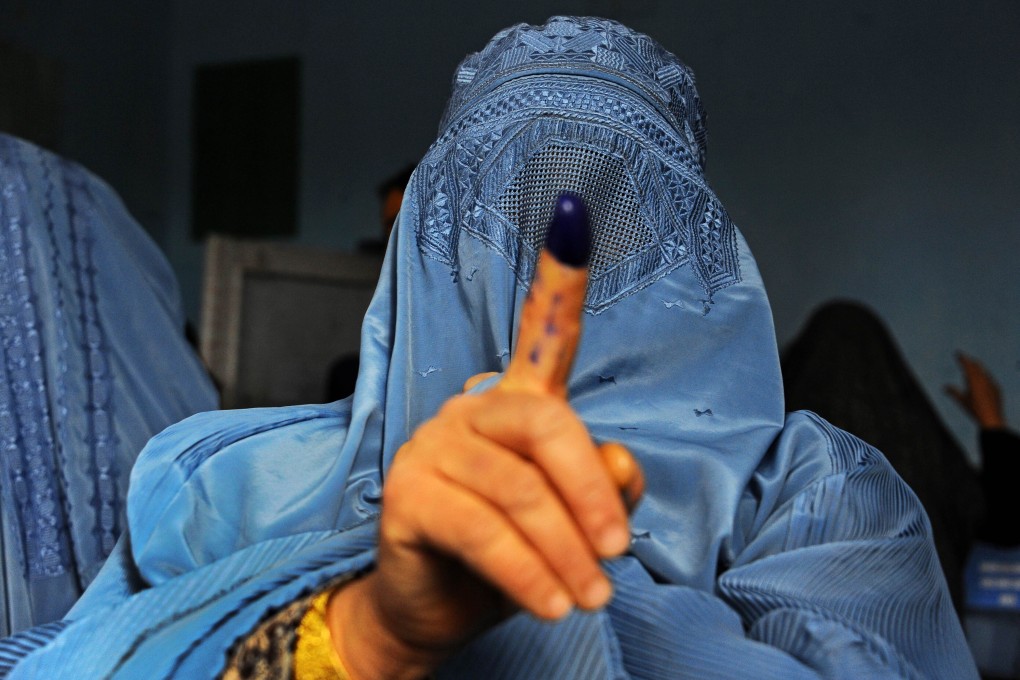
[(547, 432), (480, 537), (520, 490)]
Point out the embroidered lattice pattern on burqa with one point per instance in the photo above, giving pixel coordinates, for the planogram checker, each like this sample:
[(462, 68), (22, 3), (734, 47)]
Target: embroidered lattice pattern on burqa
[(619, 227), (590, 107)]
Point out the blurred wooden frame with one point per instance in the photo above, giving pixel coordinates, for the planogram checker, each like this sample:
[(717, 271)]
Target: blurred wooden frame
[(234, 266)]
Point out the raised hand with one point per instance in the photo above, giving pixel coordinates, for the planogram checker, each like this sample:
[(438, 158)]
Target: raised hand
[(979, 396), (501, 502)]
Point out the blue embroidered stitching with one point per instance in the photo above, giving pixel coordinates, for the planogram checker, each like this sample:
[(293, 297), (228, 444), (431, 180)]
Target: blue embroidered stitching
[(31, 436), (692, 226), (102, 439)]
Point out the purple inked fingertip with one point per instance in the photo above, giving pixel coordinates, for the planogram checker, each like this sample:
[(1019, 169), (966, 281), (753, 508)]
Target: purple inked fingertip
[(569, 238)]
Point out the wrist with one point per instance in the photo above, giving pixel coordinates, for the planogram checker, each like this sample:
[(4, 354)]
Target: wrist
[(365, 645), (991, 421)]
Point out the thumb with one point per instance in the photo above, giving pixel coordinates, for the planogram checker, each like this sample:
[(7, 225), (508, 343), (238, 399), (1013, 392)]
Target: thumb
[(625, 471)]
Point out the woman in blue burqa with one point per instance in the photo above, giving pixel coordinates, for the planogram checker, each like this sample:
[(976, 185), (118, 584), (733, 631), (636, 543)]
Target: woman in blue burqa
[(461, 535), (93, 362)]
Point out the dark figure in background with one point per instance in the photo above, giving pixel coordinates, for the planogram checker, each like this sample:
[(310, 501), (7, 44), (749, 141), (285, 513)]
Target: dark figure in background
[(342, 377), (391, 194), (343, 372), (1000, 453), (992, 619), (846, 367)]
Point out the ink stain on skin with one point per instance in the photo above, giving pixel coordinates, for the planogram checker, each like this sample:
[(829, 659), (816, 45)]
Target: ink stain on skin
[(428, 371), (534, 355), (670, 305), (607, 379), (550, 326), (706, 412)]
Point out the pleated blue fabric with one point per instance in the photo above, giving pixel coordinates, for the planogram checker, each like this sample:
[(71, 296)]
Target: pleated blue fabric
[(93, 362), (767, 545)]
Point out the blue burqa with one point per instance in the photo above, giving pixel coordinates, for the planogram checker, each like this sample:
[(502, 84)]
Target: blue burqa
[(93, 362), (766, 545)]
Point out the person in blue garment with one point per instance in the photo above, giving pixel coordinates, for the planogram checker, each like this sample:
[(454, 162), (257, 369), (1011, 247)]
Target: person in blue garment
[(93, 362), (412, 530)]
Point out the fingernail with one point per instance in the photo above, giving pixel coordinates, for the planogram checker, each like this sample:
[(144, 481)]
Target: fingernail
[(597, 593), (558, 605), (613, 540), (569, 238)]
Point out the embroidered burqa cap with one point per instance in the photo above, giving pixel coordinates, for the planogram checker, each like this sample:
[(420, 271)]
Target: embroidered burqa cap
[(591, 107), (764, 547)]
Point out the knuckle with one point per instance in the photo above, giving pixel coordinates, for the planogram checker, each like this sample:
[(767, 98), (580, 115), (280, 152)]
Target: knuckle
[(392, 531), (457, 405), (531, 581), (547, 417), (552, 411), (407, 487), (599, 508), (398, 522), (392, 491), (423, 436), (591, 493), (397, 491), (524, 490), (479, 537)]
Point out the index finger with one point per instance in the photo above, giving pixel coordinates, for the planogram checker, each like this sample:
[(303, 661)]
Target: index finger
[(551, 319)]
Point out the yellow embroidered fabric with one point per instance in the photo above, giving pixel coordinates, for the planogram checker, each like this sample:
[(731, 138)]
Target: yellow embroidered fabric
[(315, 657)]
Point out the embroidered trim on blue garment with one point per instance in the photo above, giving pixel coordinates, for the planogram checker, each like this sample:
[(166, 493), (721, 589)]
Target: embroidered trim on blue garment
[(465, 177), (34, 410), (101, 438), (28, 443), (59, 382), (603, 48)]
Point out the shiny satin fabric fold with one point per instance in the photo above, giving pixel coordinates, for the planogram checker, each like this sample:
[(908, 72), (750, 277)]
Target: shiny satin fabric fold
[(94, 362), (765, 545)]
